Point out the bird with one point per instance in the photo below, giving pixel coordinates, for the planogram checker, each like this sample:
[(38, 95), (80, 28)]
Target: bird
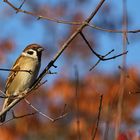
[(23, 74)]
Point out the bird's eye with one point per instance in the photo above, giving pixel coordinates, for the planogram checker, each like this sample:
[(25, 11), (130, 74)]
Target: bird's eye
[(30, 52)]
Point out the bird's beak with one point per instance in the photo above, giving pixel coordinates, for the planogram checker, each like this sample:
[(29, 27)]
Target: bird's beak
[(40, 49)]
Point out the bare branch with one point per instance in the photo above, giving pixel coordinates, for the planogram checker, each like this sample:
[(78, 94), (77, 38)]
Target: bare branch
[(2, 93), (136, 92), (113, 31), (21, 5), (100, 60), (95, 65), (14, 103), (29, 71), (40, 16), (5, 96), (94, 130), (101, 57), (38, 110), (40, 84), (98, 55), (113, 57), (122, 77), (14, 117), (77, 102), (64, 21), (44, 115)]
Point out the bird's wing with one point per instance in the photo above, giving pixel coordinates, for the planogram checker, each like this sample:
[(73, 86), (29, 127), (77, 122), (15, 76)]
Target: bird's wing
[(16, 69)]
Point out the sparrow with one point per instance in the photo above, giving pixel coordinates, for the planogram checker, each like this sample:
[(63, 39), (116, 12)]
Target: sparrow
[(23, 75)]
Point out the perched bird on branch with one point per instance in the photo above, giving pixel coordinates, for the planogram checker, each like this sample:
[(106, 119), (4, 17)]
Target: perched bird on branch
[(23, 75)]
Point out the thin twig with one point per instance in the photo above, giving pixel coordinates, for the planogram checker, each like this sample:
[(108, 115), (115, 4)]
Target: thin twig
[(10, 97), (3, 93), (122, 77), (44, 115), (100, 60), (18, 117), (21, 5), (14, 70), (40, 84), (64, 21), (95, 65), (77, 102), (38, 110), (113, 31), (98, 55), (5, 96), (40, 16), (136, 92), (101, 57), (94, 130)]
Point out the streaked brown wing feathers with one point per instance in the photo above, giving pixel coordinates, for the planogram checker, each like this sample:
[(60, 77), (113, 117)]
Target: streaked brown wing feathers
[(12, 74)]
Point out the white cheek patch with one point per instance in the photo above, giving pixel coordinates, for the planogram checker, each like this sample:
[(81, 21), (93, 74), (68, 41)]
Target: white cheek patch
[(34, 55)]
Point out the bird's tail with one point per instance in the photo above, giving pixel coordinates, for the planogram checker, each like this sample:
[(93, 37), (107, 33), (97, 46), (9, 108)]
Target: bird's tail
[(3, 116)]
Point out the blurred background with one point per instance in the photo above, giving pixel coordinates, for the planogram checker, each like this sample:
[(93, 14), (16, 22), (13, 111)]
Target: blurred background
[(120, 111)]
